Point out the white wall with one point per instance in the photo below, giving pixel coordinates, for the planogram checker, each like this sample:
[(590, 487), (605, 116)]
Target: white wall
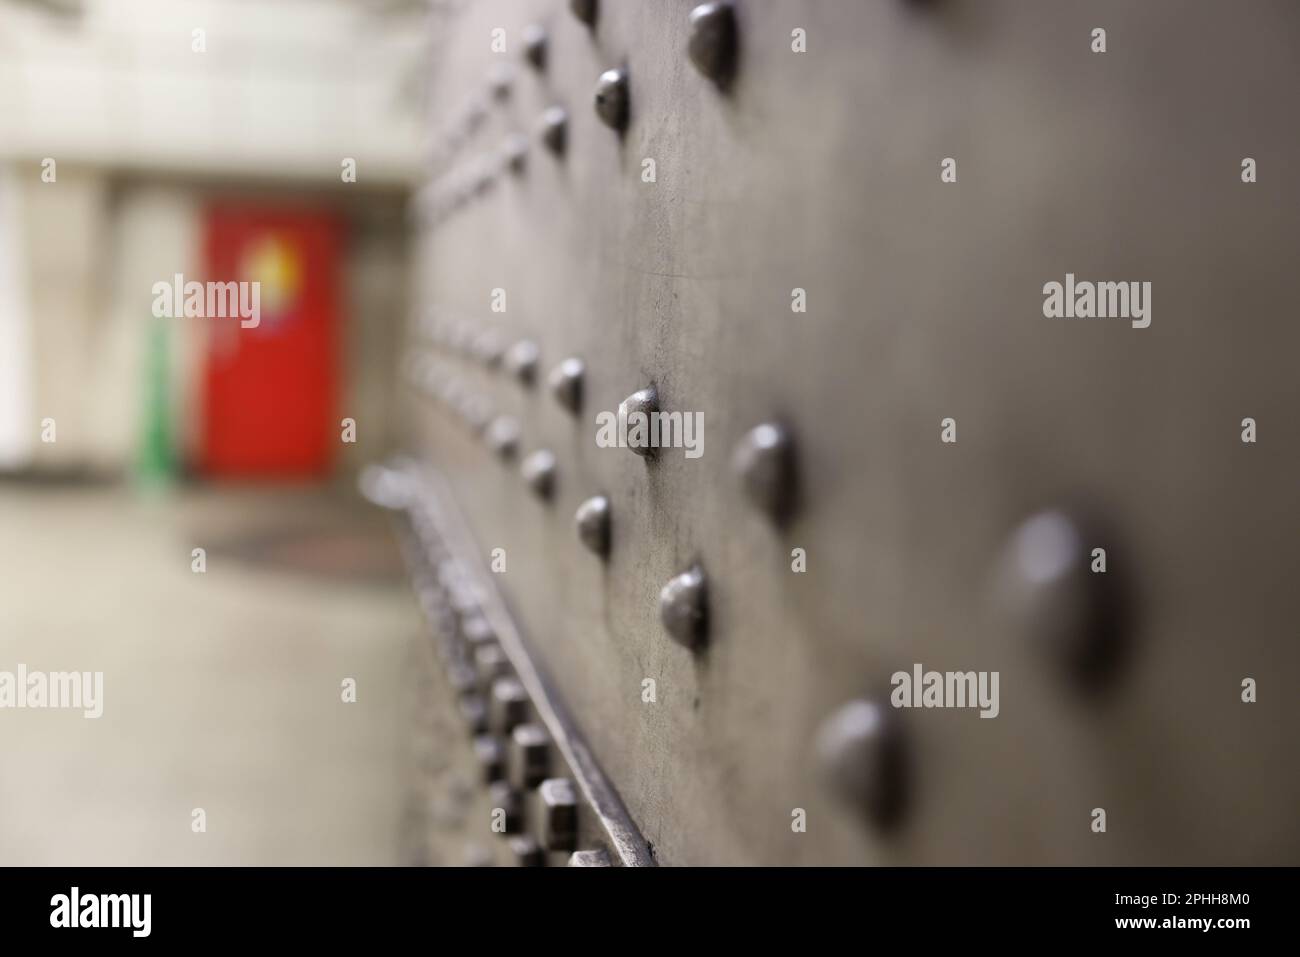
[(285, 87)]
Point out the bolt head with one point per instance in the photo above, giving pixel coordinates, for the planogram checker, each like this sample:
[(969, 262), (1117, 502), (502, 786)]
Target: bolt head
[(521, 360), (500, 79), (526, 851), (474, 712), (592, 521), (644, 402), (585, 10), (1057, 604), (612, 99), (462, 678), (509, 704), (559, 814), (486, 347), (554, 129), (475, 629), (491, 757), (565, 381), (476, 410), (502, 436), (859, 748), (490, 663), (712, 46), (764, 460), (535, 46), (489, 348), (538, 471), (683, 608), (529, 755), (515, 152)]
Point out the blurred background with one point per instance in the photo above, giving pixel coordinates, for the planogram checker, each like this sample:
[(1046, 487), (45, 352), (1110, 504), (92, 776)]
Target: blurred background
[(140, 139)]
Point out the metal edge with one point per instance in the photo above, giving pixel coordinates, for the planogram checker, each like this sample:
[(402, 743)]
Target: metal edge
[(434, 496)]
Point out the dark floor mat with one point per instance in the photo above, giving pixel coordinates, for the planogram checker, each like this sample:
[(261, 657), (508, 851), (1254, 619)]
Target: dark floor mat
[(362, 555)]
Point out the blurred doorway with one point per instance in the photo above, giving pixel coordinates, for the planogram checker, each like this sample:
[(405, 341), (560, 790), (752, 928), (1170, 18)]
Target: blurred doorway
[(270, 390)]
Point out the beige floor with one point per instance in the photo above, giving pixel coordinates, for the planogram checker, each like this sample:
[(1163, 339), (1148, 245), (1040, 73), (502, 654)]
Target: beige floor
[(221, 690)]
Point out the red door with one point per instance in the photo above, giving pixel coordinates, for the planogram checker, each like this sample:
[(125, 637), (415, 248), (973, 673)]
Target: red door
[(270, 391)]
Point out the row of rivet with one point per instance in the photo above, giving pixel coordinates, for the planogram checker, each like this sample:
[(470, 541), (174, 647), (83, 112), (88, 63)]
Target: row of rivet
[(763, 459), (487, 346), (712, 48), (1056, 600), (1079, 616)]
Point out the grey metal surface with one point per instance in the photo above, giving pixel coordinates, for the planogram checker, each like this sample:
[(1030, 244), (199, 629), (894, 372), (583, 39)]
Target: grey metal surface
[(820, 171), (468, 619)]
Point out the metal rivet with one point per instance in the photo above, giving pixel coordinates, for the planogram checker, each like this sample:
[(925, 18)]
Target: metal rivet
[(490, 349), (712, 46), (463, 598), (538, 471), (1079, 617), (452, 577), (503, 796), (477, 412), (535, 45), (486, 346), (509, 704), (474, 712), (491, 757), (503, 436), (644, 402), (683, 607), (612, 98), (521, 361), (592, 519), (462, 678), (475, 630), (585, 10), (764, 459), (501, 79), (860, 751), (566, 383), (516, 152), (529, 755), (596, 858), (490, 663), (559, 814), (527, 852), (555, 124)]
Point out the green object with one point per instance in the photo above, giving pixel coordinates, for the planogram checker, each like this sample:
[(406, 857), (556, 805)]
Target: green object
[(156, 462)]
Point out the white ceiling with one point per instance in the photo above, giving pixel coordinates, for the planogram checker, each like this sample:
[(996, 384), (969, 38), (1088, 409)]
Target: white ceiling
[(285, 87)]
